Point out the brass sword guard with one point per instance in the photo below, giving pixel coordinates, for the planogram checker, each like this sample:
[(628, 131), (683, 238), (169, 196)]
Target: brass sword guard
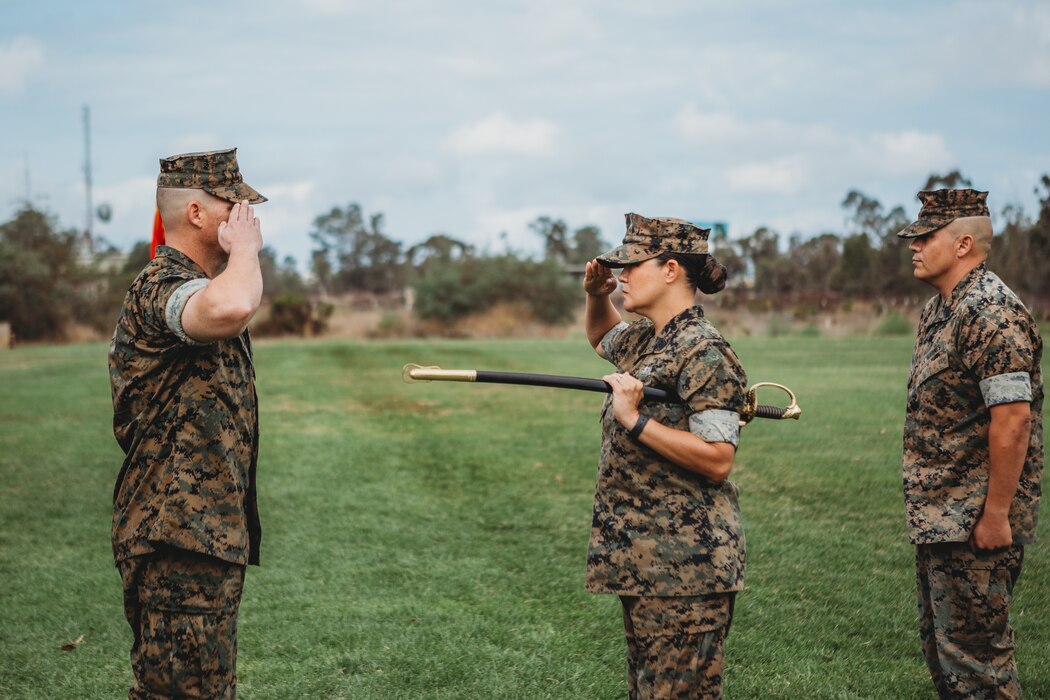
[(792, 410)]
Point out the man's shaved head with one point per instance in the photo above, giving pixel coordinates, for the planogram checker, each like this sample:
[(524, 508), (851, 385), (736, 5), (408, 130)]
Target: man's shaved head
[(172, 201), (979, 228)]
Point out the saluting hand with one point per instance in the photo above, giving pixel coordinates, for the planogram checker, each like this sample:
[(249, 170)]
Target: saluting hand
[(627, 393), (598, 280), (241, 229)]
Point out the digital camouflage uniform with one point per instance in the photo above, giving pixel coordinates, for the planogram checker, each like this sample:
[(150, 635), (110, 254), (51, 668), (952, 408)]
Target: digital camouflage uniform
[(978, 349), (185, 520), (668, 541)]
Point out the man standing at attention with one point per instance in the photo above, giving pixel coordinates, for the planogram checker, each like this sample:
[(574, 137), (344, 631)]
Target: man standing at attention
[(185, 522), (973, 448)]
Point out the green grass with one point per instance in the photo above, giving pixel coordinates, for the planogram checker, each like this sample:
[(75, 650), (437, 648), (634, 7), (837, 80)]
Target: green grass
[(428, 540)]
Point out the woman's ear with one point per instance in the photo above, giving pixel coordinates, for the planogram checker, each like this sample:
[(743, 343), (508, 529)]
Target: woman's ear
[(672, 271)]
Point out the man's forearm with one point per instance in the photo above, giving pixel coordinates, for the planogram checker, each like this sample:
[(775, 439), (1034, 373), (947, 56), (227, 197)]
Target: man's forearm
[(241, 284), (1007, 448)]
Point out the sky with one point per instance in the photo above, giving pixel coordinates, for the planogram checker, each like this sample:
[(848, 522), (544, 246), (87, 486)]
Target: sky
[(474, 118)]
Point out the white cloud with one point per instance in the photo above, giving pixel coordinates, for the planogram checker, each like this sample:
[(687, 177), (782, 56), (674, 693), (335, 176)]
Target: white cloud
[(909, 153), (19, 59), (293, 192), (1027, 52), (500, 135), (194, 143), (780, 176), (784, 158), (332, 8), (412, 173)]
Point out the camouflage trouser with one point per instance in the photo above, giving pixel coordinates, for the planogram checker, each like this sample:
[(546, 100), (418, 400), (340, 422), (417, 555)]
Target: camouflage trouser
[(182, 608), (675, 645), (964, 609)]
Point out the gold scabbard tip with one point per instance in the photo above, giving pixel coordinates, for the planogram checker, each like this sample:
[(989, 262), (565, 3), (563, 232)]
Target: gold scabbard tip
[(416, 373)]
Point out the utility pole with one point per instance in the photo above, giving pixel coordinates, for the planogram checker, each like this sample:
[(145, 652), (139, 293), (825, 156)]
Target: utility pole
[(89, 211)]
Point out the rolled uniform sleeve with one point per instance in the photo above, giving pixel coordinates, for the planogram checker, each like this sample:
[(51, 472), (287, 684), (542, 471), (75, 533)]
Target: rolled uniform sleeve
[(176, 304), (716, 425)]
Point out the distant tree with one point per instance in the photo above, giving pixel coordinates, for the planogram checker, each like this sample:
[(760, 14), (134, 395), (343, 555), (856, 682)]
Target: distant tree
[(952, 180), (725, 251), (439, 248), (854, 272), (279, 279), (587, 244), (815, 259), (353, 255), (1012, 255), (138, 258), (555, 235), (39, 275), (762, 250), (890, 260)]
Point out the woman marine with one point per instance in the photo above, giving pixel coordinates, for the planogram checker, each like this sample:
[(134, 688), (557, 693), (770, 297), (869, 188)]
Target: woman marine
[(666, 535)]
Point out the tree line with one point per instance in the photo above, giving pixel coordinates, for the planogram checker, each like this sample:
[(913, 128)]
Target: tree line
[(48, 282)]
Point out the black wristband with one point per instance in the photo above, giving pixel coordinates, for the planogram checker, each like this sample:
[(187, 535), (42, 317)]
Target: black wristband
[(639, 426)]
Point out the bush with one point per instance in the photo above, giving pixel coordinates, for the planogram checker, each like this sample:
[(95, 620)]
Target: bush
[(779, 325), (894, 323), (293, 314), (462, 287)]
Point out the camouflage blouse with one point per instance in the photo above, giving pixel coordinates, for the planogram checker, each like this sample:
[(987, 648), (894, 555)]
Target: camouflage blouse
[(978, 349), (185, 414), (659, 529)]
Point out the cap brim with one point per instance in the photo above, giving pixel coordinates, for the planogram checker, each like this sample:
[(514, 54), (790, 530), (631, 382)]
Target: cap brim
[(626, 255), (921, 228), (237, 192)]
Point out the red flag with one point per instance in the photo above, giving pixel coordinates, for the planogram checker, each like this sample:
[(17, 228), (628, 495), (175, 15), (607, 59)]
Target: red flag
[(158, 235)]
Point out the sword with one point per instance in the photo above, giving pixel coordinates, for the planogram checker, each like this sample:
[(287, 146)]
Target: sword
[(752, 409)]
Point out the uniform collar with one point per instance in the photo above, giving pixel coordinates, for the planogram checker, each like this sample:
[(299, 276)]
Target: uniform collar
[(961, 289), (178, 257), (670, 331)]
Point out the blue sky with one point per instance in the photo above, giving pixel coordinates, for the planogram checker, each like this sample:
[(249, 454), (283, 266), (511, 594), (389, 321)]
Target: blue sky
[(473, 118)]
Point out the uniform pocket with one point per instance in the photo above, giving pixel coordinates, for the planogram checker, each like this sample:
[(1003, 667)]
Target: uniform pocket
[(931, 364), (976, 588)]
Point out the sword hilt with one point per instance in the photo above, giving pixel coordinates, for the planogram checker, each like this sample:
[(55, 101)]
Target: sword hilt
[(752, 409)]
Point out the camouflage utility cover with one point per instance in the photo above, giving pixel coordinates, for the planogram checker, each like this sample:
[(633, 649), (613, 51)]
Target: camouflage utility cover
[(186, 416), (215, 172), (979, 349), (941, 207), (647, 238), (658, 529)]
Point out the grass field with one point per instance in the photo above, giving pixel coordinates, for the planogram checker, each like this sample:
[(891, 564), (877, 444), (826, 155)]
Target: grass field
[(429, 540)]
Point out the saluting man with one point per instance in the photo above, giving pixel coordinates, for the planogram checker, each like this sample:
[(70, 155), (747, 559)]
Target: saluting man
[(666, 536), (973, 448), (185, 521)]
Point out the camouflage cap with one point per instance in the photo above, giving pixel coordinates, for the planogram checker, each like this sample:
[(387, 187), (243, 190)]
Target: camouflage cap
[(941, 207), (215, 172), (647, 238)]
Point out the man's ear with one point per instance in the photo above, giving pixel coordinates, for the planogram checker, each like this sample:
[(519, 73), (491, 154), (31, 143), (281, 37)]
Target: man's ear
[(963, 245), (195, 213)]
